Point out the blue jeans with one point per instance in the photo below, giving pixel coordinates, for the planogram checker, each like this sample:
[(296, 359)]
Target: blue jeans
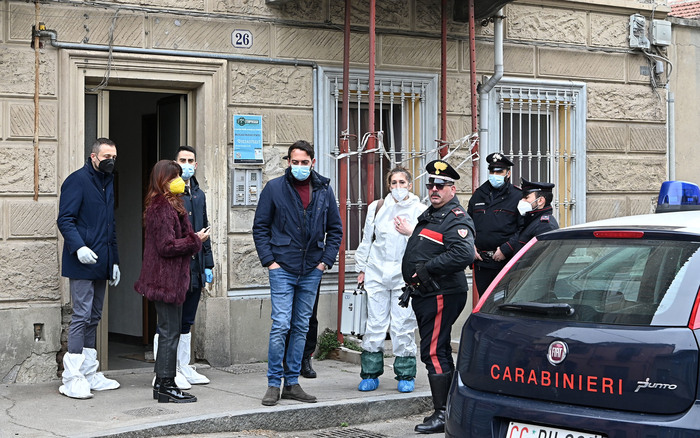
[(292, 298)]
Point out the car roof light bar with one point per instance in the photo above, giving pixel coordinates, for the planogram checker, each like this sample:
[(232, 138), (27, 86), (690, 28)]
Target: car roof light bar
[(608, 234), (678, 196)]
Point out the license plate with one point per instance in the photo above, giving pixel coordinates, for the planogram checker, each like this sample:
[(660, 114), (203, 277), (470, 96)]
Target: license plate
[(522, 430)]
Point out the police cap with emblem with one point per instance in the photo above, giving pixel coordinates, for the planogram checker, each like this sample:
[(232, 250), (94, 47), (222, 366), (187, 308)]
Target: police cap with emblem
[(497, 161), (440, 172), (531, 186)]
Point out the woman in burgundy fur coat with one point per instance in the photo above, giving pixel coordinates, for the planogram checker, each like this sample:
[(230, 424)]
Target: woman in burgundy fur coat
[(170, 242)]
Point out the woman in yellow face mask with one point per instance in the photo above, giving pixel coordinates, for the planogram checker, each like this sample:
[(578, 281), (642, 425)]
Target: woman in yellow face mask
[(169, 244)]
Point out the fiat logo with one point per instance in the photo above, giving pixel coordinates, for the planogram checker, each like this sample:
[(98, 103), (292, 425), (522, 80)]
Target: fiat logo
[(557, 351)]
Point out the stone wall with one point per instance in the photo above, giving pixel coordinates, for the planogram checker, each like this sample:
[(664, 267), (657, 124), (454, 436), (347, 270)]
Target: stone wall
[(546, 39), (685, 84)]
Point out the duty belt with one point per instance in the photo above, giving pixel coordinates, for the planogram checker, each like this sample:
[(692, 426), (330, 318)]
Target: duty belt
[(486, 254)]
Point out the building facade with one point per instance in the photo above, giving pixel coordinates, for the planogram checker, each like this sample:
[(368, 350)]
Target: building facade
[(577, 105)]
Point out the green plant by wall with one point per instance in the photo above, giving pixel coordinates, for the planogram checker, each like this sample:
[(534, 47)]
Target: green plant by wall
[(327, 342), (352, 345)]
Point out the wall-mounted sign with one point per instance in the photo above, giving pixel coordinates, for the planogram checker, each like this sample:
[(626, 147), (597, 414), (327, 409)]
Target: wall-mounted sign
[(247, 139), (242, 39)]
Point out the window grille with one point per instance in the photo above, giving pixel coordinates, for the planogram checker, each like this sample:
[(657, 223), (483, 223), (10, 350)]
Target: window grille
[(405, 116), (541, 127)]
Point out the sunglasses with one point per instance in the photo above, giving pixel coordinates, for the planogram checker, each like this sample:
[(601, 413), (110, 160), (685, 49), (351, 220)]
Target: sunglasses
[(430, 186)]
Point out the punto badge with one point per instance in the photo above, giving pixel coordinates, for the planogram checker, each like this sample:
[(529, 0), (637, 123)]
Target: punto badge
[(557, 351)]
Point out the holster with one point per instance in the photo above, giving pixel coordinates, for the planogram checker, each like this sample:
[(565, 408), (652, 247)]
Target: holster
[(425, 285)]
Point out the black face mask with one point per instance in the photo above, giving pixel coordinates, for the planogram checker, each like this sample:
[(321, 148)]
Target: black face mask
[(106, 165)]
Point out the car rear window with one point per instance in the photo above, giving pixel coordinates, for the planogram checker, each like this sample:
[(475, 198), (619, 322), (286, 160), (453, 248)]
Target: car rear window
[(611, 281)]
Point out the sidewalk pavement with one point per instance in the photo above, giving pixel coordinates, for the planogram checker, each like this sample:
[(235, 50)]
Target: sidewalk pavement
[(230, 403)]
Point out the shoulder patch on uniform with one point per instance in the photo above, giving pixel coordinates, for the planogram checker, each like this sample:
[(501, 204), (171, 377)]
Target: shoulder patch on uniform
[(544, 218), (458, 212), (463, 232)]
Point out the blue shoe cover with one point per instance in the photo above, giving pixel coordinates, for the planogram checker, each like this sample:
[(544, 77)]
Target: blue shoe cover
[(407, 385), (368, 385)]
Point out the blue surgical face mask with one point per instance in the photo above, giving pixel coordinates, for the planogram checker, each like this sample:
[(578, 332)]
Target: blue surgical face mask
[(300, 172), (187, 171), (497, 181)]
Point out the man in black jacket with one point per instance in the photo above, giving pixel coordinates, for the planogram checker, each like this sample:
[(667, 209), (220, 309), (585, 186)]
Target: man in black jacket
[(494, 209), (536, 208), (439, 250)]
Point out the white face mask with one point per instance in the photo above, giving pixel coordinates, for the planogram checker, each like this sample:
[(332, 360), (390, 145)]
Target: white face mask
[(524, 207), (399, 193)]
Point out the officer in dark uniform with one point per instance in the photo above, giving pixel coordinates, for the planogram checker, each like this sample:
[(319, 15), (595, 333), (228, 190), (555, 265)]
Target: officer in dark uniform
[(536, 208), (439, 250), (494, 209)]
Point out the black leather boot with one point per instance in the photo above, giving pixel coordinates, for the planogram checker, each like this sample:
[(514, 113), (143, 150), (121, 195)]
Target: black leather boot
[(439, 387), (169, 392), (306, 369), (156, 387)]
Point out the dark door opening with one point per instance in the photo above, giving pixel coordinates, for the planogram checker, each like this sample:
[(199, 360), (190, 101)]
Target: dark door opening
[(146, 127)]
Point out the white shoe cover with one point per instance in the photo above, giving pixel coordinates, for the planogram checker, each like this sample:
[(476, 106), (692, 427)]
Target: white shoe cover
[(75, 385), (180, 380), (183, 361), (97, 380)]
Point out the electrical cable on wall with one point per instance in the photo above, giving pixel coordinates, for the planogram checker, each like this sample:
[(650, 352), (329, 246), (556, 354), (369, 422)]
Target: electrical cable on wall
[(105, 78)]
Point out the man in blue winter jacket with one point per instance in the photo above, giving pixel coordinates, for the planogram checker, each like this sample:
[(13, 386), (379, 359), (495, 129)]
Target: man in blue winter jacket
[(90, 258), (297, 233)]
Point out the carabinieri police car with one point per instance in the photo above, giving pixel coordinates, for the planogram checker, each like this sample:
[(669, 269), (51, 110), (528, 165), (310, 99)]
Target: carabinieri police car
[(590, 331)]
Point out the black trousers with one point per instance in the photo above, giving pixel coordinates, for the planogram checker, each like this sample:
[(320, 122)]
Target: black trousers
[(483, 277), (169, 320), (189, 308), (435, 316)]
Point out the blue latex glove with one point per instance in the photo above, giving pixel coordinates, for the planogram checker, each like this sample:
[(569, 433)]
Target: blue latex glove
[(208, 275)]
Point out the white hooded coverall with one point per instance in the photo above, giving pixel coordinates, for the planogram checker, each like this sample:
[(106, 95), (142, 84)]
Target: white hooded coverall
[(380, 260)]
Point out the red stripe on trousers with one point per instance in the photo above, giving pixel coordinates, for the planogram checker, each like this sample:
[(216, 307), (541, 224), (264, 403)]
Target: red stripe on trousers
[(436, 334)]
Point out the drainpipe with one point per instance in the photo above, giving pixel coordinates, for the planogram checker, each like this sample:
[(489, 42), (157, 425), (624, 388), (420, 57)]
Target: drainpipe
[(343, 164), (37, 44), (484, 89), (443, 81), (474, 93), (671, 132), (372, 140)]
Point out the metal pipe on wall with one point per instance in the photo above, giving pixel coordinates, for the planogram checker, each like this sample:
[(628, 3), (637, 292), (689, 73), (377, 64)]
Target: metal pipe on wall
[(37, 44), (671, 128), (372, 139), (443, 81), (474, 94), (343, 170), (484, 89)]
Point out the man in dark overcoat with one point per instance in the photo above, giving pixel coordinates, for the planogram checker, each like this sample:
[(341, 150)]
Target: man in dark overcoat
[(90, 258)]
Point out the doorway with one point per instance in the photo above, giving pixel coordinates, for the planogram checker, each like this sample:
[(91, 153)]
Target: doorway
[(202, 83), (146, 127)]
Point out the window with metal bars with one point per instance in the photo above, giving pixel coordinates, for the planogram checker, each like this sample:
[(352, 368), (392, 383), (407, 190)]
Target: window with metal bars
[(405, 115), (541, 127)]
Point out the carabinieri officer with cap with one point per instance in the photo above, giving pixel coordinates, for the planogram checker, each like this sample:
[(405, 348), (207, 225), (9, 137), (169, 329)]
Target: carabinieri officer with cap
[(536, 208), (437, 254), (494, 209)]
